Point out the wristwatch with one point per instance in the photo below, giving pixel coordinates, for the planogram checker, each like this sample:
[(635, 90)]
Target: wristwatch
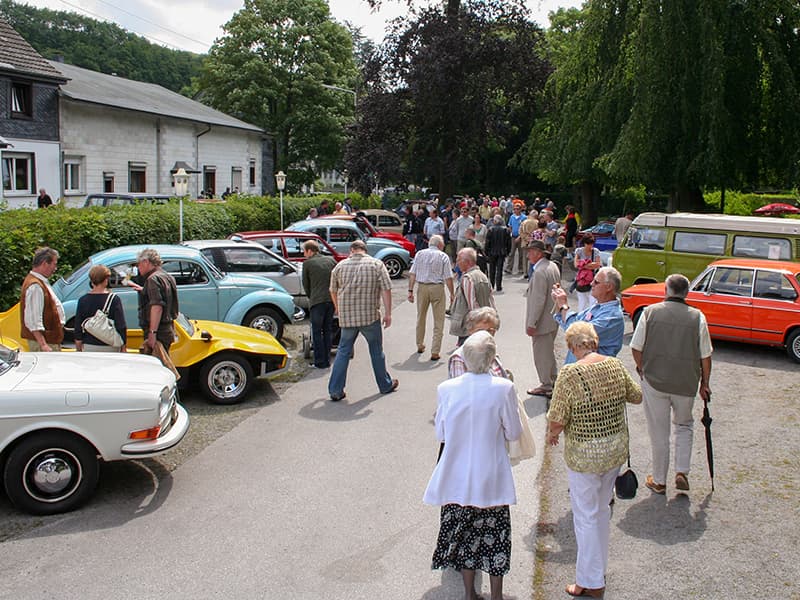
[(153, 331)]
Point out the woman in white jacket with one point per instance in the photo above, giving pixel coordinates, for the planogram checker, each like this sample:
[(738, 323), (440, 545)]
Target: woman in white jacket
[(472, 482)]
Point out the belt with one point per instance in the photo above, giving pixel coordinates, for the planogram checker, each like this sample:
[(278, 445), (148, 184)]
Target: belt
[(430, 282)]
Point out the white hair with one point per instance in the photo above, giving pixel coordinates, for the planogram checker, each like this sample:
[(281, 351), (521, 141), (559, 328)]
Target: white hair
[(436, 241), (479, 352)]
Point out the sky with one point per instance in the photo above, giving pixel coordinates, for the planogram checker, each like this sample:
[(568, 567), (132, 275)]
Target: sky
[(194, 24)]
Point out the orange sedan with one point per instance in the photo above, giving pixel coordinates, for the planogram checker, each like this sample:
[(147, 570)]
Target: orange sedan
[(744, 300)]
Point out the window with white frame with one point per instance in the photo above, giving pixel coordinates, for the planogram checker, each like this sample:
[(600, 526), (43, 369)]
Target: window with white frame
[(72, 175), (236, 180), (137, 177), (21, 99), (18, 172)]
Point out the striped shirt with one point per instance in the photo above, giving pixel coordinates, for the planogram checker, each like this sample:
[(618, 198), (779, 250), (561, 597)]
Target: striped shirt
[(358, 282), (431, 266)]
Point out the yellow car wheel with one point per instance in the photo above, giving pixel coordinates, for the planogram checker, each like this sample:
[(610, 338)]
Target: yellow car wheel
[(226, 378)]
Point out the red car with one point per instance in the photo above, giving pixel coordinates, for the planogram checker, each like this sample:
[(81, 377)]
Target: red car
[(743, 300), (370, 231), (288, 244)]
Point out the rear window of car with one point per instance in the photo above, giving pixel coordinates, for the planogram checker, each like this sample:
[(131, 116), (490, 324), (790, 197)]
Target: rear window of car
[(699, 243), (762, 247), (773, 286)]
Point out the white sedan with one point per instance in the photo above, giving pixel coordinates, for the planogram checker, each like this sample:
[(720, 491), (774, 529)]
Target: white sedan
[(60, 412)]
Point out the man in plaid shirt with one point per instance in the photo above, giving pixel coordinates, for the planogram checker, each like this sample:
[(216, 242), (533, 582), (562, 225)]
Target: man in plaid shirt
[(357, 286)]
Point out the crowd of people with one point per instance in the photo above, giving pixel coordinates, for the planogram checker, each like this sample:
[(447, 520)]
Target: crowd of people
[(478, 409), (478, 415)]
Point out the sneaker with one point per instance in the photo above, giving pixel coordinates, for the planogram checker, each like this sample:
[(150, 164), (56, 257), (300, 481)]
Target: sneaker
[(395, 383), (681, 481), (339, 397), (654, 487)]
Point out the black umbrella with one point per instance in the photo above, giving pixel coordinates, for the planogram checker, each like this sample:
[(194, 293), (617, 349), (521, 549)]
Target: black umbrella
[(706, 421)]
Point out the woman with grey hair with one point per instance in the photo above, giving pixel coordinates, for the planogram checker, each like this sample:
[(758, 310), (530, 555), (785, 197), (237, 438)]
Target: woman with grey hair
[(480, 319), (472, 482)]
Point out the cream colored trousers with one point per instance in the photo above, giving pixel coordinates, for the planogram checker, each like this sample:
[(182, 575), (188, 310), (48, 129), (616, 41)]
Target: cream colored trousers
[(431, 295)]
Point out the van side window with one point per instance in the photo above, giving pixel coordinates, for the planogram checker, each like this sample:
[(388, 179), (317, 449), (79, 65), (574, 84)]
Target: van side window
[(762, 247), (699, 243), (773, 286), (732, 281), (647, 238)]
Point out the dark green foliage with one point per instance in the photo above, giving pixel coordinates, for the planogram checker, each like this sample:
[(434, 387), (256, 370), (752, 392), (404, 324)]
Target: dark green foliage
[(100, 46), (449, 99), (77, 233)]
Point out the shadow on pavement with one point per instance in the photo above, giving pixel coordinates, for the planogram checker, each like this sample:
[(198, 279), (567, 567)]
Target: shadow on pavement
[(665, 521), (322, 409)]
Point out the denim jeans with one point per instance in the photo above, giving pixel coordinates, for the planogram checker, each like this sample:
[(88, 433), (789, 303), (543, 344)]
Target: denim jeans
[(374, 336), (321, 333)]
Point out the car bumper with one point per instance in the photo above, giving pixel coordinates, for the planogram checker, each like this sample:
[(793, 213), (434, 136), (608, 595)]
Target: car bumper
[(267, 371), (170, 439), (299, 314)]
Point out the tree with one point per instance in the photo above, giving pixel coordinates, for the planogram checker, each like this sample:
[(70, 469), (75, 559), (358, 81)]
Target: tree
[(268, 69), (675, 95), (459, 90)]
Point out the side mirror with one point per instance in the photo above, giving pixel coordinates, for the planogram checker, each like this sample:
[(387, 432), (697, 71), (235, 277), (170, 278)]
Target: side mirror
[(287, 269), (205, 336)]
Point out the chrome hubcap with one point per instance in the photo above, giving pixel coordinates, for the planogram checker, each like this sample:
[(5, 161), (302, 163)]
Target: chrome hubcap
[(52, 475)]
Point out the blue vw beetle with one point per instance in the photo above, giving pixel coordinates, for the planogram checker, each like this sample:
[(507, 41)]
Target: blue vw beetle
[(203, 291)]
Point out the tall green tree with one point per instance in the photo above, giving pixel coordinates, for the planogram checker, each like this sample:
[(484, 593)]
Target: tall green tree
[(269, 69), (460, 89), (677, 95)]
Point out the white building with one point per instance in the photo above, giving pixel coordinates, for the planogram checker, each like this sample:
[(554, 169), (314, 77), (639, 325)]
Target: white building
[(119, 135)]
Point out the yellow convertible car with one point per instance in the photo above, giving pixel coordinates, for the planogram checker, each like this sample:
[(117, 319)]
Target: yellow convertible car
[(222, 359)]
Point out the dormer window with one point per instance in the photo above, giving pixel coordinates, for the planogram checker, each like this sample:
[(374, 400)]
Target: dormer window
[(21, 99)]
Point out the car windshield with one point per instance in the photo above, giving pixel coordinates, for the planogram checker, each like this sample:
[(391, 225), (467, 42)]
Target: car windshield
[(186, 324), (79, 272), (213, 268), (8, 358)]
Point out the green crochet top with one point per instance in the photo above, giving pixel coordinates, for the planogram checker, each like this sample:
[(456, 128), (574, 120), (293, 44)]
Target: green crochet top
[(589, 401)]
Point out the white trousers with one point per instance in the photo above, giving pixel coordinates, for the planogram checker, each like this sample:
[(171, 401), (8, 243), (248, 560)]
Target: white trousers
[(585, 300), (657, 409), (590, 495)]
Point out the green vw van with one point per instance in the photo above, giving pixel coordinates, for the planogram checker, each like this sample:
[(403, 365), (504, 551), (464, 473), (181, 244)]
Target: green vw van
[(658, 244)]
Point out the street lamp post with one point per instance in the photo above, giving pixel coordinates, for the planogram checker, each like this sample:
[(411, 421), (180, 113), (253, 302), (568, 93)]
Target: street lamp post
[(341, 89), (280, 180), (344, 176), (181, 180)]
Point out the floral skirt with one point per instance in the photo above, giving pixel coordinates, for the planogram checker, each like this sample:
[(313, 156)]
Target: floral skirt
[(474, 538)]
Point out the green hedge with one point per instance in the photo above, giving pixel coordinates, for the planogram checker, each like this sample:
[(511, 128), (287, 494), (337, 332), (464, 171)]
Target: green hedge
[(77, 233), (738, 203)]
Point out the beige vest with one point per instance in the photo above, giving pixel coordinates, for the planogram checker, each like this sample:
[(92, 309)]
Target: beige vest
[(671, 353)]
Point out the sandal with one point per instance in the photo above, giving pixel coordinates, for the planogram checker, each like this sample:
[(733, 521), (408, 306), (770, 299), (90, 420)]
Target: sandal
[(540, 391), (574, 589)]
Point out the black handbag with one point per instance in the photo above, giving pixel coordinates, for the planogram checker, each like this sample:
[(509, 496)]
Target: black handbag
[(626, 483)]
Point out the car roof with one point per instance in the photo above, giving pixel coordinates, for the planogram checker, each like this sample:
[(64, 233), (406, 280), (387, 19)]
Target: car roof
[(310, 223), (377, 211), (759, 263), (129, 253), (276, 233)]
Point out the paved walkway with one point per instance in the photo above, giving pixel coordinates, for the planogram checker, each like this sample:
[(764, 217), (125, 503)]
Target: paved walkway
[(307, 499)]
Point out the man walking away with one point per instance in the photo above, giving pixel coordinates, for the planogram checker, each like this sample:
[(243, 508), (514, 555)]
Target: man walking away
[(672, 350), (316, 283), (498, 247), (539, 322), (41, 314), (358, 284), (473, 292), (431, 271)]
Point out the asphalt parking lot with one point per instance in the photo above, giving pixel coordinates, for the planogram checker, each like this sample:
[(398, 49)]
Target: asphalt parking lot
[(737, 542)]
